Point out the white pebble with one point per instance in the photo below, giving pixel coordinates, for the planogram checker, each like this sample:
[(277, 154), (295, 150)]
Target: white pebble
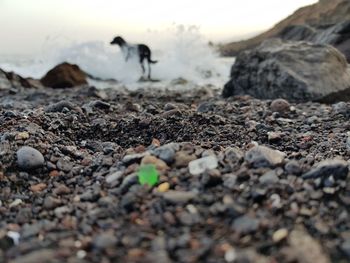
[(15, 203), (199, 166), (15, 236), (230, 255)]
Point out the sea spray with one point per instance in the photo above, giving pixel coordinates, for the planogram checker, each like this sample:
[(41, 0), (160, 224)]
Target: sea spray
[(182, 52)]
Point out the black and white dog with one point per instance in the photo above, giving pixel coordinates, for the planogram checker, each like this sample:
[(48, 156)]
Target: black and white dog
[(142, 51)]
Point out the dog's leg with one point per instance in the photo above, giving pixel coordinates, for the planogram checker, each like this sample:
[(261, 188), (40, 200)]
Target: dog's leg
[(149, 70), (127, 56), (142, 66)]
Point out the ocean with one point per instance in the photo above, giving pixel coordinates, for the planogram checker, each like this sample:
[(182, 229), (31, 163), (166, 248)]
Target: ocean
[(183, 54)]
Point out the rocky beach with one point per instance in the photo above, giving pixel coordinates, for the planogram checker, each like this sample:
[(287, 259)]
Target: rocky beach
[(255, 170), (240, 179)]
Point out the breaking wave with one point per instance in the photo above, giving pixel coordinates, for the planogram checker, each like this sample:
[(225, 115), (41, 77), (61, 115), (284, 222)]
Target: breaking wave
[(182, 52)]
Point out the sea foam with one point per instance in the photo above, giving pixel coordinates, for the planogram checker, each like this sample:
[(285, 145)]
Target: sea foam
[(181, 51)]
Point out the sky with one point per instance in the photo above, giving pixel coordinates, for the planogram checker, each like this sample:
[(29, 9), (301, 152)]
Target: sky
[(27, 24)]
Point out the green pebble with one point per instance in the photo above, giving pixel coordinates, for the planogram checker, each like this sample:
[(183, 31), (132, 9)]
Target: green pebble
[(148, 174)]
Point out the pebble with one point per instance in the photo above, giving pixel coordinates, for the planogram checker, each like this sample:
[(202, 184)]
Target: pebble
[(111, 178), (179, 197), (230, 180), (280, 105), (29, 158), (336, 167), (15, 236), (306, 248), (274, 136), (63, 164), (61, 189), (59, 106), (230, 255), (280, 235), (345, 247), (22, 136), (269, 177), (262, 156), (170, 106), (164, 187), (233, 154), (340, 108), (51, 203), (293, 167), (38, 187), (160, 165), (205, 107), (196, 167), (245, 225), (165, 153), (105, 240), (182, 159), (16, 202), (134, 158)]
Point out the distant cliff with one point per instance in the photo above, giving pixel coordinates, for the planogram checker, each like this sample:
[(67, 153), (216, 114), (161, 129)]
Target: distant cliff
[(324, 14)]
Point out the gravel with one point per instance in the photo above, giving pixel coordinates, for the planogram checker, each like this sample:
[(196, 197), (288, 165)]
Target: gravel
[(239, 180)]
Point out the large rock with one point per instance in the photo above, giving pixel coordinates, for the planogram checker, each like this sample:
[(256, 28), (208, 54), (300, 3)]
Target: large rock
[(319, 15), (296, 71), (337, 35), (9, 80), (64, 75)]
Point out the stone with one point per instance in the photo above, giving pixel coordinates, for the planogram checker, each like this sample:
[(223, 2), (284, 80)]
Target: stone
[(345, 247), (10, 80), (230, 180), (133, 158), (269, 177), (274, 136), (105, 240), (262, 156), (59, 106), (280, 105), (306, 248), (233, 154), (340, 108), (38, 187), (196, 167), (164, 187), (293, 167), (111, 178), (16, 202), (306, 24), (29, 158), (64, 75), (160, 165), (280, 235), (335, 34), (22, 136), (178, 197), (337, 168), (296, 71), (42, 256), (51, 203), (165, 153), (245, 225), (63, 164), (182, 159)]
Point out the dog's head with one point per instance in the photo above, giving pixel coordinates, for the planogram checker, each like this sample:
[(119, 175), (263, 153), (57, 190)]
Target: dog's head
[(118, 41)]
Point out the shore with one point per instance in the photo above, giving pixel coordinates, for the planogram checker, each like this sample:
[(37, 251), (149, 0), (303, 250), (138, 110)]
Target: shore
[(276, 188)]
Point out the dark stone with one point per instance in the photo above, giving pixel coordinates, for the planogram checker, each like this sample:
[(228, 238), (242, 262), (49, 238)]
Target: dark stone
[(296, 71), (64, 75), (337, 168), (245, 225), (29, 158)]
